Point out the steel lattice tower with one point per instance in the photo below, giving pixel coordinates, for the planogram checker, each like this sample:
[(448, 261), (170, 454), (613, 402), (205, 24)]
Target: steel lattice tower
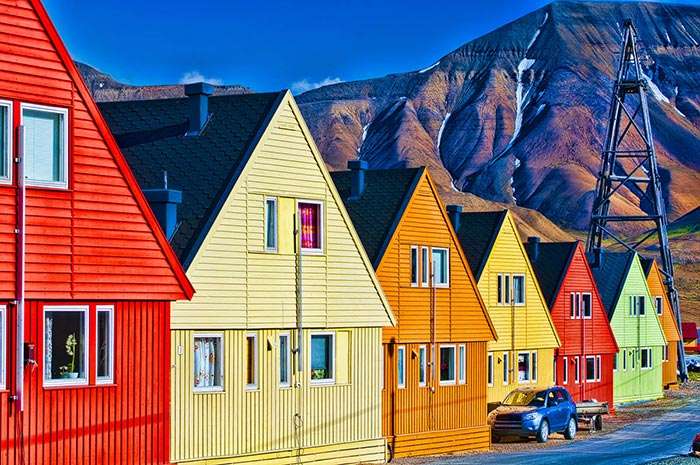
[(629, 166)]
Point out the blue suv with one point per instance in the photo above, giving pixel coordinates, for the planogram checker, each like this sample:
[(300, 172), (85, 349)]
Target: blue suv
[(530, 411)]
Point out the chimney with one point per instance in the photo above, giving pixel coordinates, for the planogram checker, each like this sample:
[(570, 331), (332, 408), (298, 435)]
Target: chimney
[(455, 212), (164, 204), (198, 94), (358, 168), (533, 246)]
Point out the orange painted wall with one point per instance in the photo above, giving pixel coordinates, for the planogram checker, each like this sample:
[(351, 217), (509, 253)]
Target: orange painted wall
[(436, 418)]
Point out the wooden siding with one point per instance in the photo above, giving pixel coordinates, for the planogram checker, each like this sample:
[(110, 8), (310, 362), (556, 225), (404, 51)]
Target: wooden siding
[(97, 239), (545, 372), (235, 423), (240, 285), (125, 422), (601, 391), (527, 327)]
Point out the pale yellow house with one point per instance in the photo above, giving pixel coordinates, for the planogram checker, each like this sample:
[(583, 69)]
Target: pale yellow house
[(278, 356), (523, 355)]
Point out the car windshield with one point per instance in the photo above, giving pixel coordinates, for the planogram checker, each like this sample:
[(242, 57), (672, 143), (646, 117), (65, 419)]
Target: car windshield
[(526, 398)]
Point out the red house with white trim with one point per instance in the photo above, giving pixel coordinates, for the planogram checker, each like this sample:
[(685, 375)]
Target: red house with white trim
[(584, 362), (86, 274)]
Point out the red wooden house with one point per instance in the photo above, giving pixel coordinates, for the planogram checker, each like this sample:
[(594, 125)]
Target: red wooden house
[(86, 274), (584, 362)]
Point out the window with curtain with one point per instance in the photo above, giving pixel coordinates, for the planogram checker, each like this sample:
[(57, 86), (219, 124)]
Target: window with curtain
[(271, 224), (208, 351), (251, 361), (518, 289), (322, 358), (447, 365), (65, 354), (311, 226), (422, 366), (45, 136), (401, 367), (105, 344), (524, 367), (285, 360), (5, 137), (441, 267)]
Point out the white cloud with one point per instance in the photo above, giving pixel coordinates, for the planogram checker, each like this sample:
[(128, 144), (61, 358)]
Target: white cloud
[(191, 77), (304, 85)]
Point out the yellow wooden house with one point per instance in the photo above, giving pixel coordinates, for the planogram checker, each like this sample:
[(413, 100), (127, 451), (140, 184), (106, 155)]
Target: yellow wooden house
[(523, 355), (278, 358)]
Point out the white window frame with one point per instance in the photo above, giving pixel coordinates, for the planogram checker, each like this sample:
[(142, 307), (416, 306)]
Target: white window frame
[(624, 360), (659, 301), (534, 367), (595, 376), (327, 381), (642, 306), (635, 354), (572, 306), (462, 364), (598, 368), (219, 358), (423, 365), (276, 224), (86, 345), (3, 347), (616, 362), (9, 155), (322, 227), (416, 265), (650, 358), (446, 284), (577, 369), (448, 382), (109, 309), (500, 283), (529, 368), (507, 289), (512, 283), (401, 367), (664, 353), (64, 159), (583, 311), (489, 369), (280, 336), (256, 354), (554, 367), (506, 369), (424, 266), (565, 372)]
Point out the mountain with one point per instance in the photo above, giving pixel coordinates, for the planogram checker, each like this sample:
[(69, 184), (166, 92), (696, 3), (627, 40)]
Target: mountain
[(105, 88), (518, 116)]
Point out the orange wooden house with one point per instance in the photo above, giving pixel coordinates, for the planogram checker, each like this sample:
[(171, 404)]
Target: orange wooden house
[(434, 392)]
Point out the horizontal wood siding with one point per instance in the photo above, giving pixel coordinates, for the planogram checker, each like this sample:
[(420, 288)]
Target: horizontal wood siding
[(235, 423), (91, 241), (126, 422)]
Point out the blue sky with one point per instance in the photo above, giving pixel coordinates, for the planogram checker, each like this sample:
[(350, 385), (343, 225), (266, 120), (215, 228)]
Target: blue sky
[(272, 44)]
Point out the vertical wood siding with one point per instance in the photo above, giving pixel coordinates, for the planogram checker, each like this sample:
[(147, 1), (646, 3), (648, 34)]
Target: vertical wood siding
[(236, 423), (545, 372), (92, 240), (126, 422), (601, 391)]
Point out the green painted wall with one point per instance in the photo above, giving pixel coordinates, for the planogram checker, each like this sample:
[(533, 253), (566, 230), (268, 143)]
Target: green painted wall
[(632, 334)]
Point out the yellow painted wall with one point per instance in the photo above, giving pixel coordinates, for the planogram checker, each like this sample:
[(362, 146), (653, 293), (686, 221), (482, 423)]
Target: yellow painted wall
[(525, 327), (238, 422), (545, 372)]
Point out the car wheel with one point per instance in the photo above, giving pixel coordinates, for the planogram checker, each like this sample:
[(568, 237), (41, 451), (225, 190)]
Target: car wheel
[(570, 431), (543, 432)]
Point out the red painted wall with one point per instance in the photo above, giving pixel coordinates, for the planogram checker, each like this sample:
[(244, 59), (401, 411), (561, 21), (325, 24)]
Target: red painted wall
[(126, 422), (581, 337)]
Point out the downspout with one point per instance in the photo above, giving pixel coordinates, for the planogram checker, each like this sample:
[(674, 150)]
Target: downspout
[(433, 340), (298, 417), (583, 345), (19, 277)]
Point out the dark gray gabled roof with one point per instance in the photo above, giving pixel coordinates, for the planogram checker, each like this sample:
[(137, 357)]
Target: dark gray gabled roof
[(553, 260), (378, 212), (151, 135), (610, 276), (477, 234)]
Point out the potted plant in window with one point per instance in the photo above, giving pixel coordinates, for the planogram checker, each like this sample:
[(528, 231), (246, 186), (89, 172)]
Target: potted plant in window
[(68, 371)]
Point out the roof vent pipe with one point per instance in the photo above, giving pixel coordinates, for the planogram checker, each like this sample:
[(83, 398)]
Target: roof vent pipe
[(533, 245), (455, 213), (164, 204), (198, 94), (358, 168)]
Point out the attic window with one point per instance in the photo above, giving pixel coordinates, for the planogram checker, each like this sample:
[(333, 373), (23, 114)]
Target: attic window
[(311, 223), (5, 140), (45, 145), (659, 305)]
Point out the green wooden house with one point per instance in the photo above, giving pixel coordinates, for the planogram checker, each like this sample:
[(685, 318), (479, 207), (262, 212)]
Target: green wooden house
[(637, 368)]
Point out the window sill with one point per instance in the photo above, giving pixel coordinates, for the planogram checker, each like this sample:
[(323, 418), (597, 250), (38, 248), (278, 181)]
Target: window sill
[(55, 387), (322, 383), (199, 391), (312, 252), (448, 383)]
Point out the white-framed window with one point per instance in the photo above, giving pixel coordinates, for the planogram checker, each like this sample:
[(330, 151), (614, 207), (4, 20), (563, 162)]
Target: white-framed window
[(285, 360), (441, 267), (499, 289), (524, 367), (462, 364), (271, 224), (208, 355), (591, 375), (104, 353), (647, 361), (615, 362), (401, 367), (506, 368), (311, 225), (414, 265), (422, 366), (633, 357), (66, 342), (554, 370), (598, 371), (6, 129), (322, 356), (251, 361), (665, 353), (624, 360), (573, 301), (506, 289), (424, 266), (659, 301), (565, 373), (533, 362), (3, 344), (489, 369), (577, 370), (637, 307), (519, 289), (586, 306), (45, 145), (448, 372)]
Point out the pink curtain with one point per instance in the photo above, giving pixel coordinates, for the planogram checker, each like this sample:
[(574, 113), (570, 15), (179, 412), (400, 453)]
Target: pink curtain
[(309, 226)]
